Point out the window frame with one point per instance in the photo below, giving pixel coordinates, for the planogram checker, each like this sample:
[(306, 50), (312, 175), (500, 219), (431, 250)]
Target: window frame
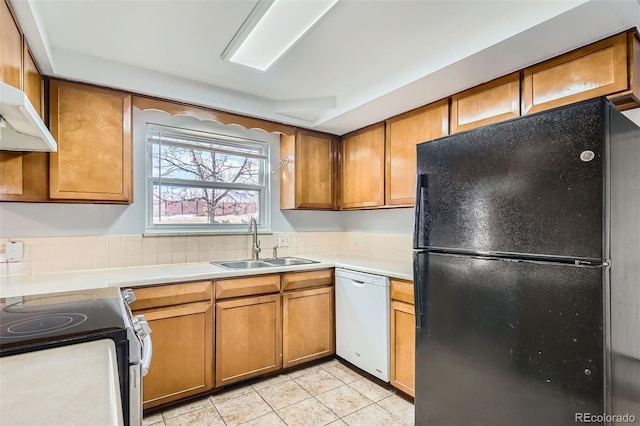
[(208, 228)]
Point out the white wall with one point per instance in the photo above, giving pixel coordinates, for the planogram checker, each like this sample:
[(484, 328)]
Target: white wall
[(21, 220)]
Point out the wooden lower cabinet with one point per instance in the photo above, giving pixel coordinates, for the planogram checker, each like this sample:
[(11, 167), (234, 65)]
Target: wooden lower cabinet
[(248, 338), (181, 321), (182, 363), (308, 325), (403, 337)]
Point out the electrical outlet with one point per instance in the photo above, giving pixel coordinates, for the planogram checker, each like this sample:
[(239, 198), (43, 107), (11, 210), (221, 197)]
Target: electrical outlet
[(356, 240), (284, 240), (14, 251)]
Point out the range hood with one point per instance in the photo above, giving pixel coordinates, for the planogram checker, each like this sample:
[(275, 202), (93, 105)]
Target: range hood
[(21, 128)]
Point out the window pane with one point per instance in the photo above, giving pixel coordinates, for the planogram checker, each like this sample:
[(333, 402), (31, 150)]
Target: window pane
[(184, 163), (175, 205)]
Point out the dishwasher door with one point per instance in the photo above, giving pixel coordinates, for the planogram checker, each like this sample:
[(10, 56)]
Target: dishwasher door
[(362, 321)]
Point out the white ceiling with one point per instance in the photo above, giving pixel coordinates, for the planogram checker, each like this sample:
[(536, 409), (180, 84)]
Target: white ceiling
[(364, 61)]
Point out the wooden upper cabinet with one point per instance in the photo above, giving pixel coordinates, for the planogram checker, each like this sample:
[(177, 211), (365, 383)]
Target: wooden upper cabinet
[(363, 168), (403, 133), (308, 180), (494, 101), (10, 48), (605, 68), (93, 129), (32, 80)]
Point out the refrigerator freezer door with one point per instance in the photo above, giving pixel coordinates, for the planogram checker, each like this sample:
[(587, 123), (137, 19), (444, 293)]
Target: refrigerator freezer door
[(508, 343), (527, 186)]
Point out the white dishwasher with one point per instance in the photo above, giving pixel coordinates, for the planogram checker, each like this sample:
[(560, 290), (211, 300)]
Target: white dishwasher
[(362, 321)]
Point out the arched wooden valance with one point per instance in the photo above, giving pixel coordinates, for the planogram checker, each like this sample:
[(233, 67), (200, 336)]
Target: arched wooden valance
[(201, 113)]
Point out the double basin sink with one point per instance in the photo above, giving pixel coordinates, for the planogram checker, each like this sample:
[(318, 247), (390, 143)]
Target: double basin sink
[(266, 263)]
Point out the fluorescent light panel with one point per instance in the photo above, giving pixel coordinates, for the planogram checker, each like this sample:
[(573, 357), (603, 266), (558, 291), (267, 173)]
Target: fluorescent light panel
[(271, 29)]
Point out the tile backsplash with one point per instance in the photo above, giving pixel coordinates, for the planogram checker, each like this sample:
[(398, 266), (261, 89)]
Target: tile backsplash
[(58, 254)]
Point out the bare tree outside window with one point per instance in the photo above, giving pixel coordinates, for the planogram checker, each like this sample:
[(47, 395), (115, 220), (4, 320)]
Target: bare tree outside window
[(205, 179)]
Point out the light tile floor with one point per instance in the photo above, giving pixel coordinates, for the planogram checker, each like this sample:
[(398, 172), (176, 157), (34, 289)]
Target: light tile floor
[(329, 393)]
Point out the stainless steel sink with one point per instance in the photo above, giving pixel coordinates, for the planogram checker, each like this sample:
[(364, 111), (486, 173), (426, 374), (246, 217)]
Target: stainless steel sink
[(266, 263), (243, 264), (288, 261)]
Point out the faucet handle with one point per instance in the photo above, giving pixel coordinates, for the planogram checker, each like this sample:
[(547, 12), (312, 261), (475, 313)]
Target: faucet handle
[(275, 251)]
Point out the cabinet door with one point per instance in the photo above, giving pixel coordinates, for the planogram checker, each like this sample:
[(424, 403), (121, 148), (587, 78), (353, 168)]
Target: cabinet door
[(403, 133), (182, 362), (363, 168), (308, 325), (10, 48), (248, 338), (488, 103), (32, 80), (93, 129), (308, 181), (403, 341), (595, 70)]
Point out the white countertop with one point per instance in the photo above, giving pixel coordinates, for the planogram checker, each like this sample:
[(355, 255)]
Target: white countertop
[(69, 385), (17, 286)]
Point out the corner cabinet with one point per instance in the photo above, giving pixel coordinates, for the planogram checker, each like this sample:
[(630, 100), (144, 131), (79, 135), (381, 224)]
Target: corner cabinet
[(24, 176), (363, 168), (403, 133), (308, 180), (181, 321), (403, 336), (93, 129), (308, 316)]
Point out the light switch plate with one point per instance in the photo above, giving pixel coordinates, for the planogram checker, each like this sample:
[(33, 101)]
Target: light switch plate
[(284, 240), (14, 251)]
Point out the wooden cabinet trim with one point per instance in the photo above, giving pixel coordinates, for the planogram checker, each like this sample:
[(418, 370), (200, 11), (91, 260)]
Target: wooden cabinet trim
[(402, 290), (307, 279), (10, 173), (400, 148), (172, 294), (313, 335), (203, 113), (403, 348), (247, 286), (615, 48), (491, 102)]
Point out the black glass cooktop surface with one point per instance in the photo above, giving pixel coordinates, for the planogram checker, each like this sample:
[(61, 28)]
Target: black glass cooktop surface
[(51, 318)]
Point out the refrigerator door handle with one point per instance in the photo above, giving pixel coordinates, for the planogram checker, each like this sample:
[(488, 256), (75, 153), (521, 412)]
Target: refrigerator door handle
[(419, 214), (418, 278)]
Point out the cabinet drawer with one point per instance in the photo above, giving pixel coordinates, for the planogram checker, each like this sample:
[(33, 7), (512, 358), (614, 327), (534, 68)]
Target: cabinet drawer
[(239, 287), (402, 291), (172, 294), (300, 280)]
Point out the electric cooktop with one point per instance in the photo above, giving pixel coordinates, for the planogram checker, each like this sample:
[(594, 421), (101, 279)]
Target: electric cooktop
[(35, 322)]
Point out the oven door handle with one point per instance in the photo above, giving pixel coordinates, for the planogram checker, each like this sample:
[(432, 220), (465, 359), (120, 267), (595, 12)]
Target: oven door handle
[(147, 354)]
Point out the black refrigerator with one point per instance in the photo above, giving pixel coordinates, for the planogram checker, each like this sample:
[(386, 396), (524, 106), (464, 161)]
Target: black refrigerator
[(527, 271)]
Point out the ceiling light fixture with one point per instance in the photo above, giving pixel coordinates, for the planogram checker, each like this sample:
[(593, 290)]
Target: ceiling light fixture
[(272, 27)]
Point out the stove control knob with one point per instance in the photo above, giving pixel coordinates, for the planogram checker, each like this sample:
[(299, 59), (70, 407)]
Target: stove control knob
[(141, 326), (128, 296)]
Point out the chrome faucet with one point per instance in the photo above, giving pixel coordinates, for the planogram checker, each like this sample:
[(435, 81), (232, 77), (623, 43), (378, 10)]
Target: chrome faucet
[(255, 249)]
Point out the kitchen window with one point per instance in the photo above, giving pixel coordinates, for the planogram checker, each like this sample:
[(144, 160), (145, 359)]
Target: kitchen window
[(202, 181)]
